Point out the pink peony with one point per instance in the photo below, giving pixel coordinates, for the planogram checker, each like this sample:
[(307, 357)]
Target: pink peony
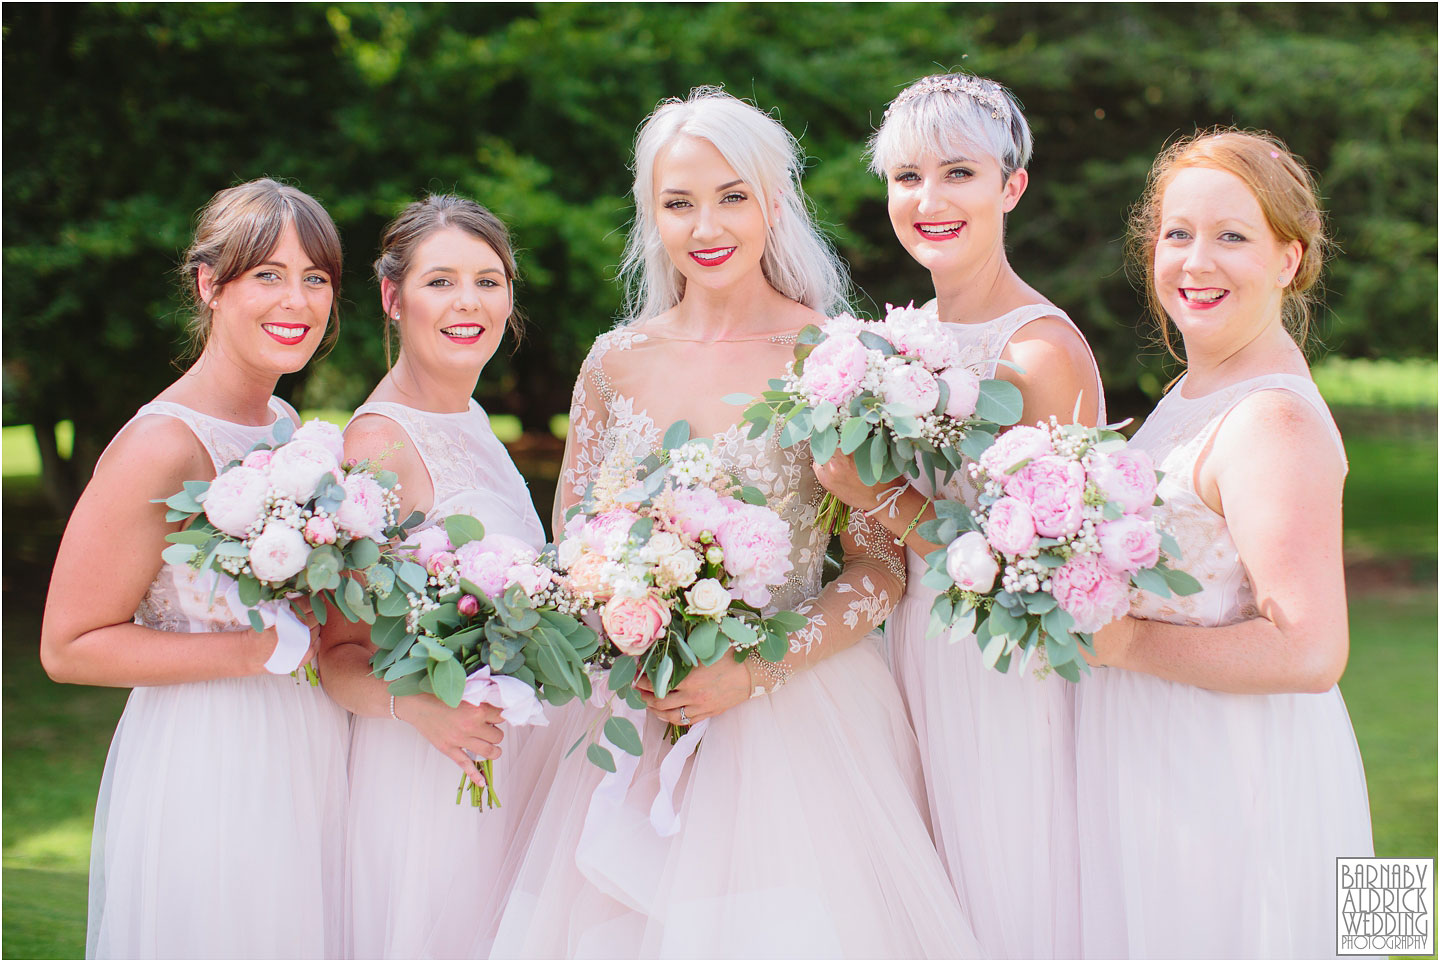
[(483, 569), (1128, 544), (1089, 592), (698, 510), (1054, 491), (236, 499), (320, 530), (970, 564), (278, 552), (297, 467), (1011, 528), (918, 333), (362, 514), (601, 528), (259, 460), (1128, 477), (634, 624), (439, 561), (531, 578), (468, 605), (510, 548), (757, 551), (323, 433), (964, 392), (587, 577), (428, 541), (1014, 446), (834, 370), (911, 387)]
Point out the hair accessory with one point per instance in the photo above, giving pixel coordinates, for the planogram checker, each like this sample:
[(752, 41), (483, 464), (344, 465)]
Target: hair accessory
[(1275, 154), (987, 93)]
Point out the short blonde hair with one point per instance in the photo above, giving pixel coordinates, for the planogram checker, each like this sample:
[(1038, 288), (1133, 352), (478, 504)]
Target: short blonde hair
[(941, 115)]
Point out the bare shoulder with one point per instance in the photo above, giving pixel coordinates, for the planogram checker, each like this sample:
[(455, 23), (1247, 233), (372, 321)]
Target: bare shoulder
[(289, 409), (154, 452), (374, 436), (1048, 342), (1275, 424)]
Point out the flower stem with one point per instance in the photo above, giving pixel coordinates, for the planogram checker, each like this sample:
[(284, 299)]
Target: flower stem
[(834, 515)]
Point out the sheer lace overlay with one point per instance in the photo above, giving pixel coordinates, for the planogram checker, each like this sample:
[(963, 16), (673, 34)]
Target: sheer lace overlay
[(635, 383)]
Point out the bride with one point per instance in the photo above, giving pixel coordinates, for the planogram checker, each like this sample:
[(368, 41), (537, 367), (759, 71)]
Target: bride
[(802, 827)]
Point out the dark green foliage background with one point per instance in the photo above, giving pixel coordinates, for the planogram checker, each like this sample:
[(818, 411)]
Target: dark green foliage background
[(120, 120)]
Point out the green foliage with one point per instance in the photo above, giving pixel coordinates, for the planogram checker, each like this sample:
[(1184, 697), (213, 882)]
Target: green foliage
[(121, 120)]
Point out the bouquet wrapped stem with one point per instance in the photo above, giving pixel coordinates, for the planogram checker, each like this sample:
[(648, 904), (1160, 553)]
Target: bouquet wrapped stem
[(480, 795)]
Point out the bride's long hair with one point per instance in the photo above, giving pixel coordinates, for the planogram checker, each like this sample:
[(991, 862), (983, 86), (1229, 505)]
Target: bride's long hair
[(798, 262)]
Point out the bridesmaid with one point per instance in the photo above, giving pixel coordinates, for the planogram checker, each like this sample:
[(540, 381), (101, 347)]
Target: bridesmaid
[(422, 870), (1219, 710), (997, 748), (218, 828)]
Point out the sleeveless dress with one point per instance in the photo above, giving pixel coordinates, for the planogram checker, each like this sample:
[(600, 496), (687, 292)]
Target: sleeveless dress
[(219, 828), (998, 749), (1212, 820), (802, 830), (425, 874)]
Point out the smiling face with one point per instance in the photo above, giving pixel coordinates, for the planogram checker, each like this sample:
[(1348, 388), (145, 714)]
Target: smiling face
[(452, 304), (711, 222), (271, 317), (950, 213), (1220, 271)]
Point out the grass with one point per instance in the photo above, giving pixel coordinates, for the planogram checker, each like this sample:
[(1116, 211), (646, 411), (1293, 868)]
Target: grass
[(1358, 382)]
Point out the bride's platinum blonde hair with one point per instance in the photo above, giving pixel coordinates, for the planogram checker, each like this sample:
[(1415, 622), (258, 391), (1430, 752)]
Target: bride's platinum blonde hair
[(942, 116), (798, 262)]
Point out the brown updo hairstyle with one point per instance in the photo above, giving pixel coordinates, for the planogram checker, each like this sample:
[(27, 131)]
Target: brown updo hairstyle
[(239, 228), (438, 212), (1288, 197)]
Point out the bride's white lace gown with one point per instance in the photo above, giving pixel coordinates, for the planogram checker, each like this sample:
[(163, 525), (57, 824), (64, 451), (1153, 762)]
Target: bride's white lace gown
[(1212, 821), (803, 830), (219, 831)]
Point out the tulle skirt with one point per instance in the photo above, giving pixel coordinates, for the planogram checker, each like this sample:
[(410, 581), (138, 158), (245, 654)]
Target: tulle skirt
[(219, 832), (999, 763), (1212, 820), (427, 877), (802, 834)]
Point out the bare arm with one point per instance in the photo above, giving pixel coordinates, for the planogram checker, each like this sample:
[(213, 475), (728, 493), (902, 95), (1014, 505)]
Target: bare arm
[(1274, 473), (109, 556)]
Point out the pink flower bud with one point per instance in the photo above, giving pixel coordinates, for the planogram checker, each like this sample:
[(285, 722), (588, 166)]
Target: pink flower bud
[(469, 606)]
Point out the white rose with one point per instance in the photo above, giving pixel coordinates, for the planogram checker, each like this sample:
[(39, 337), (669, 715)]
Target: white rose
[(663, 544), (569, 552), (298, 466), (708, 599), (279, 552), (323, 433), (678, 569), (236, 499), (970, 564)]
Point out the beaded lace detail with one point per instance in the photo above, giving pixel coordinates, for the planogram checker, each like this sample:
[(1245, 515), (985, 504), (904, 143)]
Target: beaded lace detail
[(1174, 435)]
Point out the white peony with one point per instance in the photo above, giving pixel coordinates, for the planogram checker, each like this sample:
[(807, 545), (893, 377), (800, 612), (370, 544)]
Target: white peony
[(298, 466), (969, 562), (323, 433), (278, 553), (236, 499)]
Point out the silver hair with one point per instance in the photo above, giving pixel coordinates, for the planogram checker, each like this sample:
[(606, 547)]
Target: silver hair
[(798, 261), (943, 115)]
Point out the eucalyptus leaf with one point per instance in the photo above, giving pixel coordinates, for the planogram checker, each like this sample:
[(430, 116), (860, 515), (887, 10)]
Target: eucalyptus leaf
[(622, 734), (676, 435), (448, 680), (852, 433), (179, 554), (622, 672), (999, 402), (702, 639), (462, 529), (362, 553)]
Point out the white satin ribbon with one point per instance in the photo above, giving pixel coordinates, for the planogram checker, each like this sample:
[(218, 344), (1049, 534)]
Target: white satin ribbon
[(292, 635), (890, 499), (662, 811), (517, 701)]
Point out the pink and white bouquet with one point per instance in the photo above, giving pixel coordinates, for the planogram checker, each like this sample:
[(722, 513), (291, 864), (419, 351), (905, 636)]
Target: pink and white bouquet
[(483, 620), (1061, 535), (285, 521), (891, 392), (679, 560)]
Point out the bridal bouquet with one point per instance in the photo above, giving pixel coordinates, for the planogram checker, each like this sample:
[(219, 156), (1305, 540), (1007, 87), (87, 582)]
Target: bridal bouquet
[(483, 620), (890, 392), (679, 559), (285, 521), (1063, 522)]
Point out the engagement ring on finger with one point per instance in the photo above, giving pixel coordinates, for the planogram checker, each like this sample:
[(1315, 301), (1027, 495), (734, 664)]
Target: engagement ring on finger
[(683, 720)]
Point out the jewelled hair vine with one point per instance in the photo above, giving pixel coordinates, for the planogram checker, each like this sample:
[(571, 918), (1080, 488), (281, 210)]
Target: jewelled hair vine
[(987, 93)]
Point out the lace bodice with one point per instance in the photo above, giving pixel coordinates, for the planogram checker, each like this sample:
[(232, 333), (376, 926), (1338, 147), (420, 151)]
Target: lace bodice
[(470, 470), (175, 600), (1174, 435), (636, 382)]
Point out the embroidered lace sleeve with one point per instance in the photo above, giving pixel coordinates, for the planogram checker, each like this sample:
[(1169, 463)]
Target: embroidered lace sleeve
[(584, 447)]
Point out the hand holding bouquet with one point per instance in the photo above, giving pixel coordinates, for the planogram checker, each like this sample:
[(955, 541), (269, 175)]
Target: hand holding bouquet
[(484, 620), (679, 559), (285, 521), (891, 393), (1063, 524)]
